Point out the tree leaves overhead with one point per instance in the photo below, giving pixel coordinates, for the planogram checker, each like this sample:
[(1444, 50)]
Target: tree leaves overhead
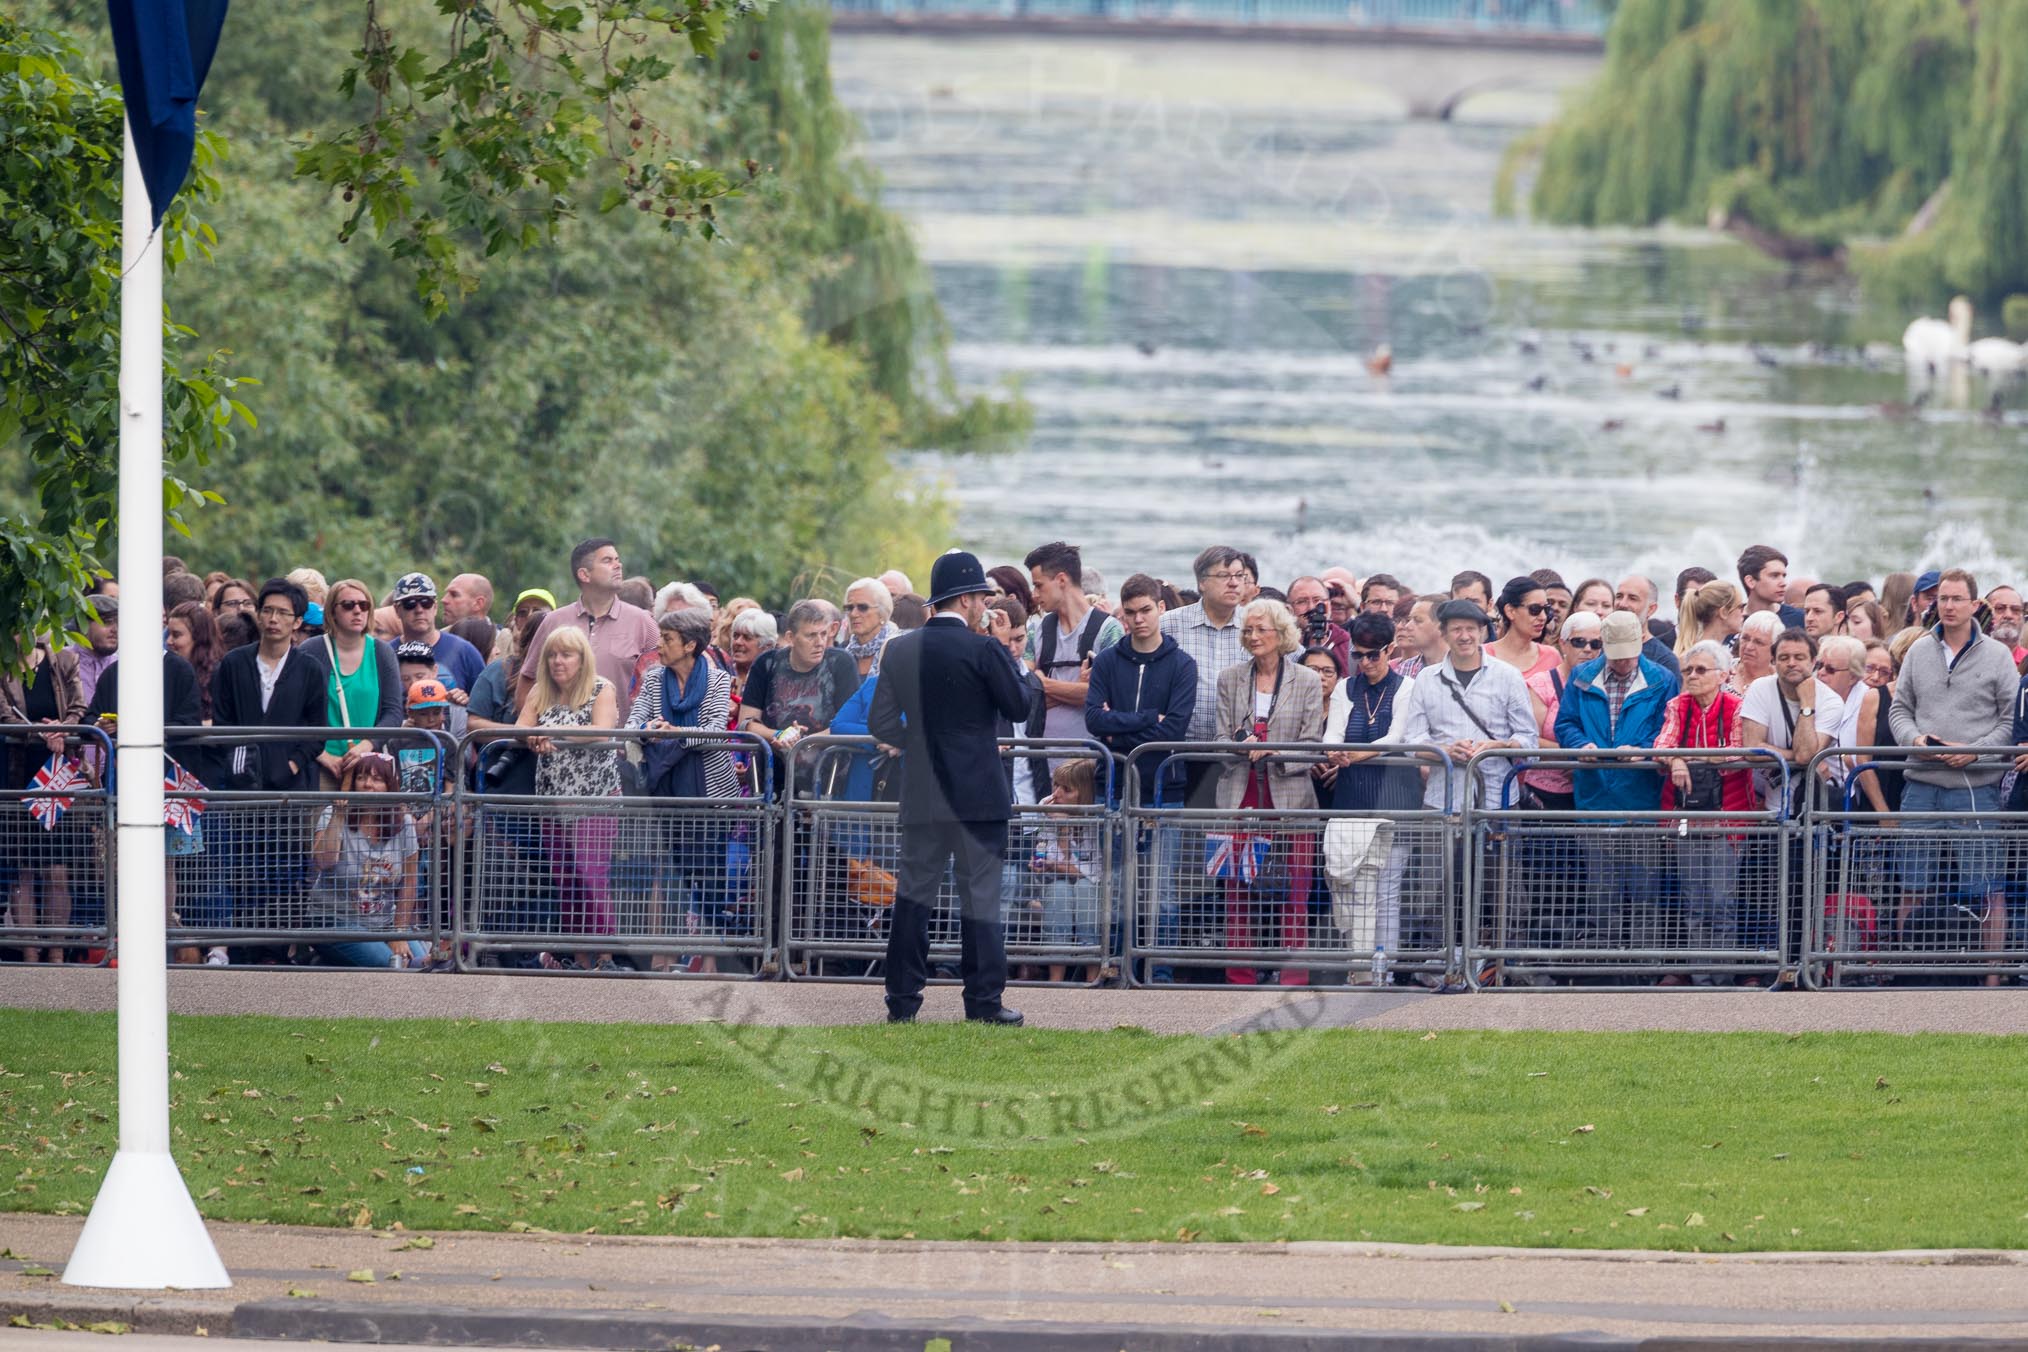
[(727, 412), (489, 123), (1814, 125)]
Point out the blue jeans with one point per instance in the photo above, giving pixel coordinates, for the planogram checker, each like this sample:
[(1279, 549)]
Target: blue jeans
[(1975, 869)]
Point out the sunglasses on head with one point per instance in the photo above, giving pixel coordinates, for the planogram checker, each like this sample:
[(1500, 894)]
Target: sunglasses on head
[(1589, 645)]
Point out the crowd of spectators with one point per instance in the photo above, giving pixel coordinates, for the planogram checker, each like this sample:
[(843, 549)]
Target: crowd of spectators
[(1757, 660)]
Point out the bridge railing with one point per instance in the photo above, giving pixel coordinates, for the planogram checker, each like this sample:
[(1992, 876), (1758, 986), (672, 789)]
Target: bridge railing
[(1461, 17)]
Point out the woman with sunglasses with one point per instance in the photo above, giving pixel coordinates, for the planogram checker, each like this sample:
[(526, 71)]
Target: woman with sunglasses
[(1522, 610), (1706, 714), (869, 608), (363, 689), (1550, 787), (1375, 695)]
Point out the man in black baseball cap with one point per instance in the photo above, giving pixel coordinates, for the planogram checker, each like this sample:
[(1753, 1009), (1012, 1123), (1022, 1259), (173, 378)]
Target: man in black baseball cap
[(943, 689)]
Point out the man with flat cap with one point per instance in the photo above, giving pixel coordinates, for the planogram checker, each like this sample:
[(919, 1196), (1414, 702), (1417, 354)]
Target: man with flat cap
[(943, 689), (1466, 704)]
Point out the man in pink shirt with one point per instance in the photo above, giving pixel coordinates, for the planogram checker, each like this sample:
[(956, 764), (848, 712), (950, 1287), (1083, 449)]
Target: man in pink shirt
[(619, 632)]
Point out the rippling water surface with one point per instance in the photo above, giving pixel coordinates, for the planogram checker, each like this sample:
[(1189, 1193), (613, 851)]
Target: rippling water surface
[(1185, 254)]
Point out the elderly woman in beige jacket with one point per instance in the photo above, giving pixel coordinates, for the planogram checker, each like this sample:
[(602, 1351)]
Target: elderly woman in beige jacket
[(1270, 697)]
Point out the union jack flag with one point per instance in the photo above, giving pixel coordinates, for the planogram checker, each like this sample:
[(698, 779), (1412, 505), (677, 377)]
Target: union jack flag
[(56, 780), (1237, 855), (180, 813)]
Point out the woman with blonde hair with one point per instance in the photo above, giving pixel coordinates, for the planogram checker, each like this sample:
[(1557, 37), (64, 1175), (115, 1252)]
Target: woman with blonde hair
[(363, 689), (1270, 697), (1896, 594), (569, 694), (1713, 612)]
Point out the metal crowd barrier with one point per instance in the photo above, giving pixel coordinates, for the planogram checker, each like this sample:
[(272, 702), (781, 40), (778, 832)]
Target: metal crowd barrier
[(1612, 893), (1292, 891), (56, 861), (841, 848), (657, 878), (1498, 893), (1913, 893), (245, 872)]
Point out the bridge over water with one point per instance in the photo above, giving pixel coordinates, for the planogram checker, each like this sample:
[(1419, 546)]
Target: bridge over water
[(1552, 25)]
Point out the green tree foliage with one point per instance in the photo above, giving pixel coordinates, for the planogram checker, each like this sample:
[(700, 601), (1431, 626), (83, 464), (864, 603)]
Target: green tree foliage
[(727, 410), (60, 134), (1816, 122)]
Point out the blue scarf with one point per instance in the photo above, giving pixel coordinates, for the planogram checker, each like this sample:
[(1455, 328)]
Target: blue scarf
[(680, 707), (672, 772)]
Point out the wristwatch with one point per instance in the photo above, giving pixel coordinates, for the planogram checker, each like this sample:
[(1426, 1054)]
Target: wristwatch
[(1809, 713)]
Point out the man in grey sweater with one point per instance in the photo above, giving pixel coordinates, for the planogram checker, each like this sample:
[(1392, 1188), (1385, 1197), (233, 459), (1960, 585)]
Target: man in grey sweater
[(1957, 689)]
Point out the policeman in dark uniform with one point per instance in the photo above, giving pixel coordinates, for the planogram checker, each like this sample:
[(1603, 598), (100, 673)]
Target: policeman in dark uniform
[(943, 690)]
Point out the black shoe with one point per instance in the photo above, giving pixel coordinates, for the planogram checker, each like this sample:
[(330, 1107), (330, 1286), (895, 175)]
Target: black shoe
[(901, 1018), (1003, 1016)]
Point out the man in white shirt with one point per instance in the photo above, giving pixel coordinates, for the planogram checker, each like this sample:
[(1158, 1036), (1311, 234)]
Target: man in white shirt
[(1790, 712), (1466, 705)]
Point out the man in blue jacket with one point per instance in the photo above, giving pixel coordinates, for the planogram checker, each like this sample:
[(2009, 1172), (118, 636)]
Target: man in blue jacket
[(1143, 690), (1619, 700)]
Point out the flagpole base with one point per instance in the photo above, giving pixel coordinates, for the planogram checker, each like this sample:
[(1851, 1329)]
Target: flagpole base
[(144, 1233)]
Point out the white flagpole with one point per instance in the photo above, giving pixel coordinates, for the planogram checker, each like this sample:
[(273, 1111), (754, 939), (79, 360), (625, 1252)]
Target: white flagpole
[(144, 1232)]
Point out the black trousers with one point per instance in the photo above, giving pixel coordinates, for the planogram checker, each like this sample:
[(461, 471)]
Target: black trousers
[(976, 851)]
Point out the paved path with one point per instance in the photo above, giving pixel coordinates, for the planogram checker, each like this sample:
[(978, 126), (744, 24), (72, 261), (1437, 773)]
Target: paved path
[(328, 993), (1237, 1289)]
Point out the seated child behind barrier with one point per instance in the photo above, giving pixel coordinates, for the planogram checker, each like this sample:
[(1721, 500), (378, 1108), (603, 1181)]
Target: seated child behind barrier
[(1066, 864)]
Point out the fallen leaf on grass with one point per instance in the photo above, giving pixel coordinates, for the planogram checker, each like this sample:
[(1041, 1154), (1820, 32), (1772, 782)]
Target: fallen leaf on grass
[(1469, 1206), (1429, 1036), (1694, 1218), (364, 1220), (486, 1123), (1584, 1130), (1268, 1189), (1598, 1192), (793, 1176), (1638, 1211)]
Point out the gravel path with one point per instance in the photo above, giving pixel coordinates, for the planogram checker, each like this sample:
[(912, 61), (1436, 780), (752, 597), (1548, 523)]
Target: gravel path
[(328, 993)]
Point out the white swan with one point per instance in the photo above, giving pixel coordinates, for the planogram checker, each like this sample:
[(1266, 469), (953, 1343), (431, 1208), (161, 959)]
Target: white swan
[(1937, 343), (1996, 356)]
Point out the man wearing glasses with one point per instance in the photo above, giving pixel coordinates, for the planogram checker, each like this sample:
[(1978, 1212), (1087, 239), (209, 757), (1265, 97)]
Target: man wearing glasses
[(1208, 630), (415, 603), (266, 684)]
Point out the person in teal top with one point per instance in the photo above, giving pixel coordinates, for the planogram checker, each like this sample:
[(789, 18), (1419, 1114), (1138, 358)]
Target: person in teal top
[(364, 688)]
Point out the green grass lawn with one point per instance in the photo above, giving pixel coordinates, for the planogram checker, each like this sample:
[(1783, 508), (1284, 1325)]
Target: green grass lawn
[(1678, 1141)]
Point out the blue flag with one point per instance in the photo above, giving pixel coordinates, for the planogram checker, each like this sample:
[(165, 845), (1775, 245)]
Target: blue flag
[(165, 49)]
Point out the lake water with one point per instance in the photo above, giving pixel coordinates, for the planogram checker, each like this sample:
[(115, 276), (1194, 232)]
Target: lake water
[(1184, 254)]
